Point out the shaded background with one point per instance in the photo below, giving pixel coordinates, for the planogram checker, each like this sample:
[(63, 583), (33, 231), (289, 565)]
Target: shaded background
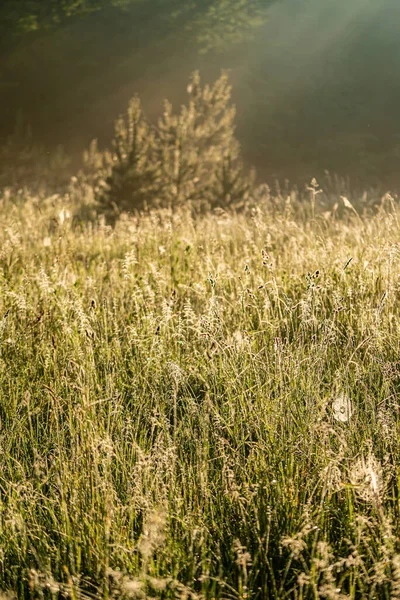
[(316, 82)]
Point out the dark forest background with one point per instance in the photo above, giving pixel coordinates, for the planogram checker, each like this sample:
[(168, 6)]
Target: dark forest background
[(315, 82)]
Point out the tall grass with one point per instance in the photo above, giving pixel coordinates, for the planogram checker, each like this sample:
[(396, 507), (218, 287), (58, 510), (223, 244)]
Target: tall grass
[(200, 407)]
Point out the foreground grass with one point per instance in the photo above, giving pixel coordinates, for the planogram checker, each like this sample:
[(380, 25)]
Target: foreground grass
[(199, 408)]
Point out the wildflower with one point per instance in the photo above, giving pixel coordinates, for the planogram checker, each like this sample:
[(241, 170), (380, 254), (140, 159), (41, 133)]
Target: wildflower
[(342, 408)]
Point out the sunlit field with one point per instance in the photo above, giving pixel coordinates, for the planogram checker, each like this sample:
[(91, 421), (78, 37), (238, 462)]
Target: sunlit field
[(200, 306), (200, 406)]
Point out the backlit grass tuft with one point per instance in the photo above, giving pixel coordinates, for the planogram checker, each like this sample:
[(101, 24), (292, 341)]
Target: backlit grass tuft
[(200, 407)]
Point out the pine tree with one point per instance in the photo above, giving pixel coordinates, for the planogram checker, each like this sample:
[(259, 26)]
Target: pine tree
[(190, 156), (195, 143), (133, 178), (230, 186)]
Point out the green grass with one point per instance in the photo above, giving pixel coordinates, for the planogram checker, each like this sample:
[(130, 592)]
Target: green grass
[(168, 392)]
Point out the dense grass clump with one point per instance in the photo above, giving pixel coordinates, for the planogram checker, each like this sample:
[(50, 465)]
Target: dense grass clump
[(200, 407)]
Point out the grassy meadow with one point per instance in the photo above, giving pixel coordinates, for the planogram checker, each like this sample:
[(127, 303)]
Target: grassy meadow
[(200, 407)]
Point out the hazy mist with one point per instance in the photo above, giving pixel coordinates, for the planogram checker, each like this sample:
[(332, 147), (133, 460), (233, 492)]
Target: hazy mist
[(316, 86)]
